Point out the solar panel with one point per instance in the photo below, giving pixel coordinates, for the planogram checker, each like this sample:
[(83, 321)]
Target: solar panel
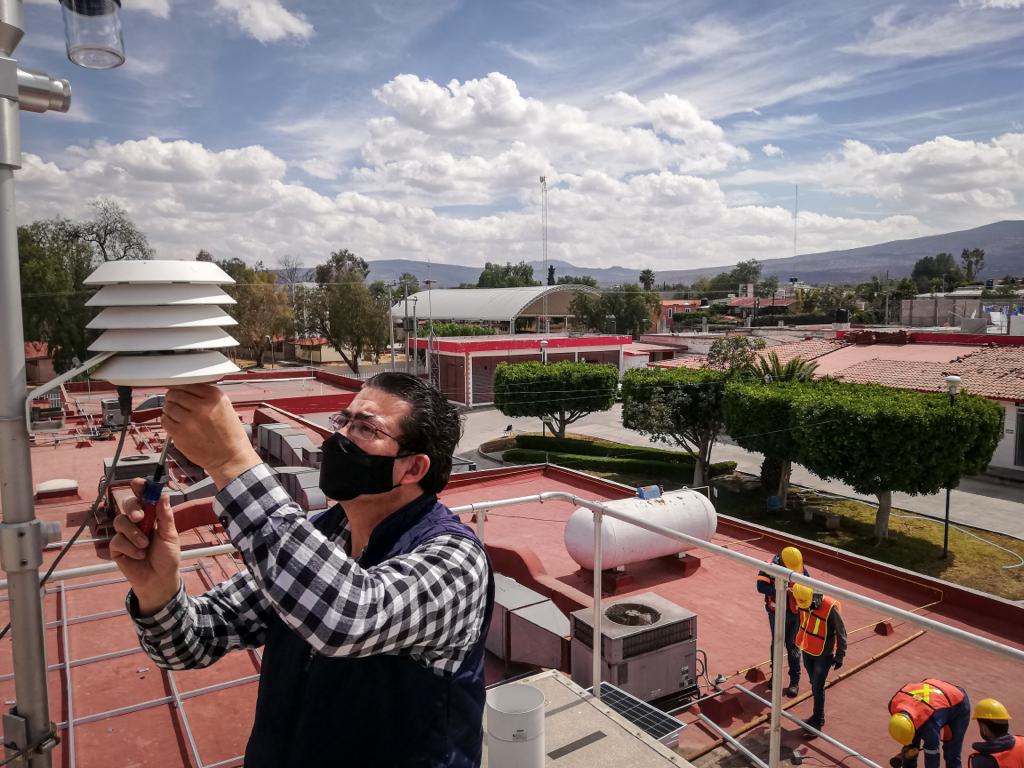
[(652, 720)]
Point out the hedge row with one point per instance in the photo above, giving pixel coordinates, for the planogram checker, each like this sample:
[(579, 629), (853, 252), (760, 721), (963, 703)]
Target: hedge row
[(808, 319), (676, 470), (592, 448)]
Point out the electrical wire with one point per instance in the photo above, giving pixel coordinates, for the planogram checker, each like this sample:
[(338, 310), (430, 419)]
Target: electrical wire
[(90, 516), (33, 746)]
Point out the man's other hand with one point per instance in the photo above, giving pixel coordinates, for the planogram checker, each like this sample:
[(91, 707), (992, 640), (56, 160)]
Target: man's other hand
[(204, 426), (150, 565)]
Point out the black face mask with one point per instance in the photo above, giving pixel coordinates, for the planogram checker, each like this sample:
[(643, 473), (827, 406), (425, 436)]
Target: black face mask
[(347, 471)]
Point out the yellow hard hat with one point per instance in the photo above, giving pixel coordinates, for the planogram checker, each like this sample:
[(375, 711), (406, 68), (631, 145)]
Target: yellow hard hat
[(990, 709), (901, 728), (792, 559), (803, 595)]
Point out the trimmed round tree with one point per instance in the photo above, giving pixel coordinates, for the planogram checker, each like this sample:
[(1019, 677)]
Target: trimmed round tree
[(879, 439), (759, 418), (557, 393), (676, 406)]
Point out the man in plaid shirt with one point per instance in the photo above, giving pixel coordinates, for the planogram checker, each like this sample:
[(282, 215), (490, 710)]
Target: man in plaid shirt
[(373, 615)]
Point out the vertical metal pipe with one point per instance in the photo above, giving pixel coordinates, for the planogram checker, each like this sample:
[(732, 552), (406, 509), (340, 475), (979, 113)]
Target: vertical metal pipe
[(391, 328), (480, 516), (67, 675), (597, 641), (778, 652), (16, 493)]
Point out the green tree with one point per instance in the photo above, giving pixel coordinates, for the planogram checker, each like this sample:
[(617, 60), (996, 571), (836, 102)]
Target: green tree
[(577, 280), (508, 276), (462, 329), (558, 393), (937, 272), (647, 279), (758, 412), (113, 235), (262, 310), (344, 311), (677, 406), (734, 355), (973, 260), (879, 439), (54, 262), (408, 284), (633, 309)]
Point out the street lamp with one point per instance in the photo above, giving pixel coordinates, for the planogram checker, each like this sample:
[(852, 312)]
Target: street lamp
[(953, 385), (544, 351)]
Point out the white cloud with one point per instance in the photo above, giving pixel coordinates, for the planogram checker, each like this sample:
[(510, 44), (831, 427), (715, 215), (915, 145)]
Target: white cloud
[(992, 3), (708, 37), (949, 181), (895, 34), (266, 20), (641, 179)]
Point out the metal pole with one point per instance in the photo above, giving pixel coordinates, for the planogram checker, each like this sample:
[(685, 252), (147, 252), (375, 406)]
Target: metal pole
[(391, 328), (596, 642), (405, 326), (945, 524), (820, 734), (732, 740), (778, 649), (415, 340), (21, 537)]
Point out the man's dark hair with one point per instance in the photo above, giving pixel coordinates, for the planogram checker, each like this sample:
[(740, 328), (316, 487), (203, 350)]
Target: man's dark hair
[(433, 425), (998, 727)]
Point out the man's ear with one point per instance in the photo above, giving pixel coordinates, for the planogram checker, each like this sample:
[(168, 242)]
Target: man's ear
[(417, 468)]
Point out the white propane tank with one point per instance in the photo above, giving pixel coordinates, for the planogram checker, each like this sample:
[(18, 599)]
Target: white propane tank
[(685, 511)]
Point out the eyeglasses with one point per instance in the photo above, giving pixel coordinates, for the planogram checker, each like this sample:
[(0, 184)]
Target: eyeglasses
[(359, 427)]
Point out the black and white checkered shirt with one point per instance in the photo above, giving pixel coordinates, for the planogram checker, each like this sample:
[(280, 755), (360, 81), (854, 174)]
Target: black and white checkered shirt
[(429, 603)]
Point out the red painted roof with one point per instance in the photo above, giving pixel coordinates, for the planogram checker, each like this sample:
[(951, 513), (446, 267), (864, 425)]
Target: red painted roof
[(748, 302), (523, 342), (996, 373)]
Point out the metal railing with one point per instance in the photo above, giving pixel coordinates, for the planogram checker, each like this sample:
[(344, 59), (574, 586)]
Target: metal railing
[(781, 575)]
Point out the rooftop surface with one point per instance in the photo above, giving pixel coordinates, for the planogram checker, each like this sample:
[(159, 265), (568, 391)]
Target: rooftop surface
[(126, 712)]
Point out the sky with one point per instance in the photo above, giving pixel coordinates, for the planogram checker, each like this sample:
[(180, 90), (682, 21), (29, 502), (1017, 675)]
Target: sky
[(672, 133)]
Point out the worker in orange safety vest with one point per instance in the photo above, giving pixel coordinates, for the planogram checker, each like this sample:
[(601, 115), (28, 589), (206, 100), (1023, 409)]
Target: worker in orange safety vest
[(998, 748), (822, 639), (929, 714), (792, 558)]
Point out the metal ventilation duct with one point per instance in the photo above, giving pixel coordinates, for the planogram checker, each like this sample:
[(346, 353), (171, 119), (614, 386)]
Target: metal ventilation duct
[(163, 321)]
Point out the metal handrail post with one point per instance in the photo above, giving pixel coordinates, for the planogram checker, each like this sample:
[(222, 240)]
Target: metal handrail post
[(596, 641), (778, 649)]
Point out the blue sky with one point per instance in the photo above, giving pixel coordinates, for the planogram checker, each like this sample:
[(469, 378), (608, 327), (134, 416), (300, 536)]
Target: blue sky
[(671, 133)]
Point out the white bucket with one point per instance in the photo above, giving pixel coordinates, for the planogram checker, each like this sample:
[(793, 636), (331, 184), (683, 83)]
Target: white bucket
[(515, 727)]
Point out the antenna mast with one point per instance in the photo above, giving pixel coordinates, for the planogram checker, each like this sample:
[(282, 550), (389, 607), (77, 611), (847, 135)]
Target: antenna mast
[(544, 246)]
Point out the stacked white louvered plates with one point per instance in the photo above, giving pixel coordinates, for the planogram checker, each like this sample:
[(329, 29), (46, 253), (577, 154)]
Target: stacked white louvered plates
[(163, 320)]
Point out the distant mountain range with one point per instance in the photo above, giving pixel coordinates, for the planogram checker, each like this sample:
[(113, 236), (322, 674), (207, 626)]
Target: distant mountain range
[(1002, 241)]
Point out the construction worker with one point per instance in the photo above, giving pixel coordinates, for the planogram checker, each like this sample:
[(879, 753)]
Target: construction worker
[(928, 714), (822, 639), (794, 560), (998, 748)]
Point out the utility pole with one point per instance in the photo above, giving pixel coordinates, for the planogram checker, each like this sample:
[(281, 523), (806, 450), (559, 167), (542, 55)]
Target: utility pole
[(544, 245), (391, 327), (430, 330)]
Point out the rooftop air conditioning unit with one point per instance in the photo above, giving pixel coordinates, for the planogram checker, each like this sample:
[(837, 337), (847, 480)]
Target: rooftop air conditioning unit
[(648, 647)]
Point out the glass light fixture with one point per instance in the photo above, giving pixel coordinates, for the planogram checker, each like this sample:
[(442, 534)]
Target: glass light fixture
[(93, 32)]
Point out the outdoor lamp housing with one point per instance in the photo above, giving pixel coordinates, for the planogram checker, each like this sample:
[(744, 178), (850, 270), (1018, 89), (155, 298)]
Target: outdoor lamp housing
[(953, 384), (93, 32)]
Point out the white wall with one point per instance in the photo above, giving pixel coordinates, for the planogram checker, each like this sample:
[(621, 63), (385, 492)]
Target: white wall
[(1004, 454)]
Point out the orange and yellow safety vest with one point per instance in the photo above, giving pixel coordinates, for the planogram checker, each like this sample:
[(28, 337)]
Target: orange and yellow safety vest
[(918, 701), (810, 638)]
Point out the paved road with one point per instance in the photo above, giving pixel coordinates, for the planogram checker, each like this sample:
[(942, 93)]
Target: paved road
[(988, 503)]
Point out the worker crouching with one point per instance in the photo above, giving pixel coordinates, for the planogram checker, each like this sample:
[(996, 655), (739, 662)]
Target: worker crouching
[(926, 715)]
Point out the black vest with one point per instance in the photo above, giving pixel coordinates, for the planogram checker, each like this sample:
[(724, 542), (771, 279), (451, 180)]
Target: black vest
[(387, 710)]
